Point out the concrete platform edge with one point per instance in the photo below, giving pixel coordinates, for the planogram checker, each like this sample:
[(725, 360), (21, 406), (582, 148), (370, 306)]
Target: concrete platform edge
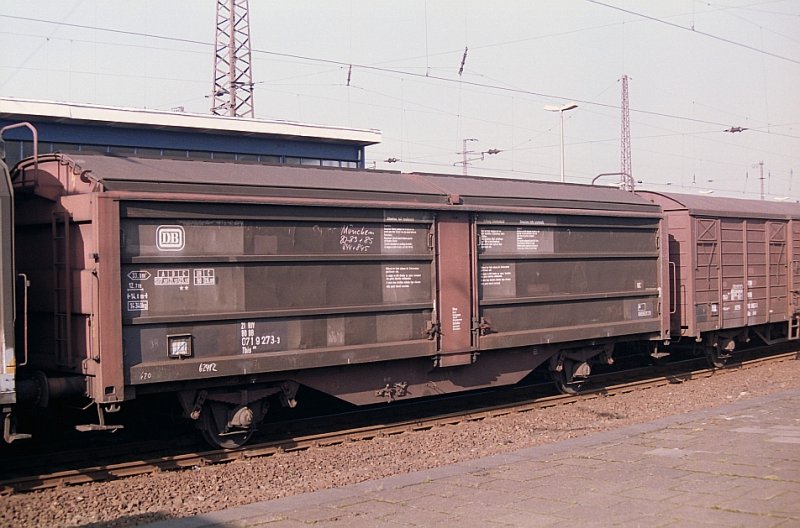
[(288, 504)]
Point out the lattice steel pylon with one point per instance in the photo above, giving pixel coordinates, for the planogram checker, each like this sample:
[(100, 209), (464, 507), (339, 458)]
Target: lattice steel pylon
[(626, 181), (232, 94)]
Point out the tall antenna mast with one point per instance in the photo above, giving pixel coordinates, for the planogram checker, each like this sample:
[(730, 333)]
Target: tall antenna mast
[(626, 178), (232, 94)]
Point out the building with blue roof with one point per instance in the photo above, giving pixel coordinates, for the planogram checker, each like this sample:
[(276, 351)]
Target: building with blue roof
[(74, 128)]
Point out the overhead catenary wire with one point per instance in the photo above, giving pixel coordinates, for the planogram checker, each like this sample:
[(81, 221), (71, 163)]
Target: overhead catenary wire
[(409, 102), (694, 30), (393, 71)]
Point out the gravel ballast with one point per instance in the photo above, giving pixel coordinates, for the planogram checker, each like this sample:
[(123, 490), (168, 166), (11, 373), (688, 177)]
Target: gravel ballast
[(143, 499)]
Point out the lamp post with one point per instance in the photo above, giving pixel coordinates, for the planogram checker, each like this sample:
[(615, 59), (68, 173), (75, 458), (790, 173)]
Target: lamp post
[(561, 109)]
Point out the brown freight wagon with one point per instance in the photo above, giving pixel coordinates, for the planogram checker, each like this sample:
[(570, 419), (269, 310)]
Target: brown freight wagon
[(8, 363), (733, 270), (231, 285)]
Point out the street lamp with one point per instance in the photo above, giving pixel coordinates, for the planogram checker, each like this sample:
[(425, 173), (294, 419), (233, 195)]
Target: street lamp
[(561, 109)]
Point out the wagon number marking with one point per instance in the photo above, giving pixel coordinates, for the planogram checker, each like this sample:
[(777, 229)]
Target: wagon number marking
[(251, 341)]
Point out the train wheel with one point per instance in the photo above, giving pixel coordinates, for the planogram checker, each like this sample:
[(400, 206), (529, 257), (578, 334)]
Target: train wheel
[(564, 385), (216, 428), (715, 358)]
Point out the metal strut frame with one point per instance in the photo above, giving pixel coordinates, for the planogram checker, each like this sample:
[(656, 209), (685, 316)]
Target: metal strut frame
[(62, 287), (232, 94), (627, 182)]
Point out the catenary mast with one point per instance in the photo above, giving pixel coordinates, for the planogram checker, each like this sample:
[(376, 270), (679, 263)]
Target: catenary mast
[(232, 93), (626, 177)]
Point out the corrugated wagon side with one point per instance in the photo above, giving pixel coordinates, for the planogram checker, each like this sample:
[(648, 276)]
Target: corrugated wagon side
[(733, 270), (232, 285)]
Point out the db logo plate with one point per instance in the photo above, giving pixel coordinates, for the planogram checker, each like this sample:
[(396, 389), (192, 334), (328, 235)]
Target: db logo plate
[(170, 238)]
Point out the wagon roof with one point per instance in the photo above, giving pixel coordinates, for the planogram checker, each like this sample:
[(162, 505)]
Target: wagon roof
[(482, 190), (722, 206), (230, 179)]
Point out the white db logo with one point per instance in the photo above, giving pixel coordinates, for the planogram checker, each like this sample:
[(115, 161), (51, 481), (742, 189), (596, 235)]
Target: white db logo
[(170, 238)]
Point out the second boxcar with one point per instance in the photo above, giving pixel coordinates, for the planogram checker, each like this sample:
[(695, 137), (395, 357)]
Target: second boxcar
[(734, 271)]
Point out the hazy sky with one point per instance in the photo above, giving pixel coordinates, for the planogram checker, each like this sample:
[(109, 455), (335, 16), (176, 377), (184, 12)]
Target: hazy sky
[(696, 68)]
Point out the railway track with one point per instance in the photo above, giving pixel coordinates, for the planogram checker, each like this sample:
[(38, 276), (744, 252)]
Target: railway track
[(307, 441)]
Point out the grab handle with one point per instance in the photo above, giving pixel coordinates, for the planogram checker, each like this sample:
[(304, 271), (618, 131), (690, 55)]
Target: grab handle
[(673, 301), (25, 284)]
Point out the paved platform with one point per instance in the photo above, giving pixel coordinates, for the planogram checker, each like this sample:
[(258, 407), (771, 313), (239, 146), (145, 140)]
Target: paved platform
[(734, 465)]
